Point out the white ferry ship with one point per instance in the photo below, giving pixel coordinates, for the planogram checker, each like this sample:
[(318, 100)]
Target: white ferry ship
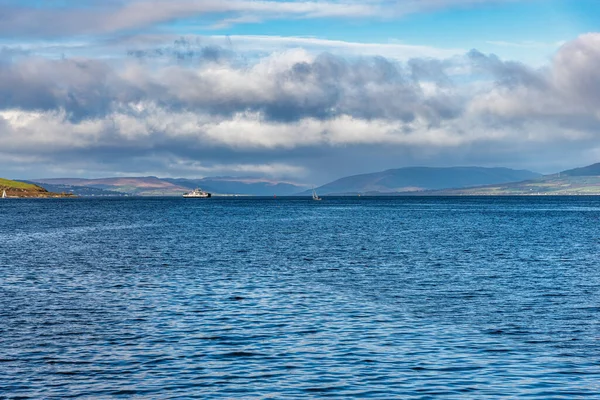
[(197, 193)]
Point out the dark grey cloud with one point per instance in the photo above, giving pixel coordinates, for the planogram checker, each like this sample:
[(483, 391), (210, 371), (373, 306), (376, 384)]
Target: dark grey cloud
[(564, 94), (218, 81), (430, 69), (331, 86), (507, 73), (186, 50), (575, 70), (81, 87), (326, 87)]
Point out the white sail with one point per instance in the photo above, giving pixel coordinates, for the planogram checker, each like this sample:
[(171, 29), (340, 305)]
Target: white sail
[(4, 194), (314, 195)]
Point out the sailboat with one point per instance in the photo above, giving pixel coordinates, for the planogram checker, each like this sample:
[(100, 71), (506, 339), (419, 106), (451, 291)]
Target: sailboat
[(4, 194), (315, 197)]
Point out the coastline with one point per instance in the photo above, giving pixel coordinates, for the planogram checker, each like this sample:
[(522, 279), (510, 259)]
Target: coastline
[(19, 190)]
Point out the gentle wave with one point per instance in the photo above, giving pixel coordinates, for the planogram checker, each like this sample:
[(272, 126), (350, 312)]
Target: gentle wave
[(369, 298)]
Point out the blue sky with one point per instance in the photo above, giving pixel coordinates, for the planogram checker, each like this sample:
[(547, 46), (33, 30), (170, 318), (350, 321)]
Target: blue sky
[(544, 21), (299, 90), (527, 29)]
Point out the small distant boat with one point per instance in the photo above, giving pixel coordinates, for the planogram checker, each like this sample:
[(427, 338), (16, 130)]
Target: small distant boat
[(314, 196), (4, 194), (197, 194)]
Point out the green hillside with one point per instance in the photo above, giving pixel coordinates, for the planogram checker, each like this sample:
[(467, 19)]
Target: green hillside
[(6, 184), (22, 189)]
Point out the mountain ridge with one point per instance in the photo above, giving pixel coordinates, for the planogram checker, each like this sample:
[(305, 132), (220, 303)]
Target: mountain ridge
[(590, 170), (419, 179), (577, 181), (154, 186), (427, 181)]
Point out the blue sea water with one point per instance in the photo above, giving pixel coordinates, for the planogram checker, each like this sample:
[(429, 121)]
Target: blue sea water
[(289, 298)]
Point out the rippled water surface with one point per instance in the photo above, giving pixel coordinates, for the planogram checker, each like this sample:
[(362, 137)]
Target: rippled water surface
[(291, 298)]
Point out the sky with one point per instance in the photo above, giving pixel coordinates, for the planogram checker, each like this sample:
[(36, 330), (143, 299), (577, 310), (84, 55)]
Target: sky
[(302, 91)]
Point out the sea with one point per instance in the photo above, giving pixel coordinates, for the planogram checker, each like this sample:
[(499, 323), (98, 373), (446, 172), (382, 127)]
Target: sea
[(285, 298)]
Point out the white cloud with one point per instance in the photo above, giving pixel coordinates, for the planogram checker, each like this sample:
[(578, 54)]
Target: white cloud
[(396, 51), (101, 17), (276, 112), (569, 89), (250, 46), (109, 17)]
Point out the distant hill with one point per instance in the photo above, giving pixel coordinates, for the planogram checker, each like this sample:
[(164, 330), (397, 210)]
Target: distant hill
[(245, 186), (417, 179), (23, 189), (578, 181), (590, 170), (139, 186), (153, 186)]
